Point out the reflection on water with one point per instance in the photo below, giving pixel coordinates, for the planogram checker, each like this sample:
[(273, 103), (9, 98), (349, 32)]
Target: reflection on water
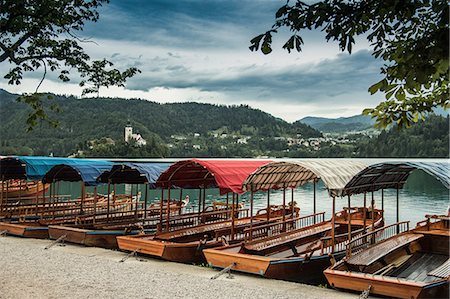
[(422, 194)]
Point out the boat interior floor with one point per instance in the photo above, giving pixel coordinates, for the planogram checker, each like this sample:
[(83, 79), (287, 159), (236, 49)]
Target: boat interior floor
[(291, 244), (419, 266), (296, 250)]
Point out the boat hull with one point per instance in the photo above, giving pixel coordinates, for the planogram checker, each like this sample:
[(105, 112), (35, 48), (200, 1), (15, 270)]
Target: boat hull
[(292, 269), (412, 264), (386, 286), (25, 230), (190, 252), (24, 191), (94, 238)]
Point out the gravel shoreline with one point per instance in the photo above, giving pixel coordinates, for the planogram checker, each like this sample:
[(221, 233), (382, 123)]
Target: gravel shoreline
[(71, 271)]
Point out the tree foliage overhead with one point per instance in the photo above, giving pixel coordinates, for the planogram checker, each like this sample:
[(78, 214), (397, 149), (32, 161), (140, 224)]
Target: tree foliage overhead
[(43, 35), (411, 36)]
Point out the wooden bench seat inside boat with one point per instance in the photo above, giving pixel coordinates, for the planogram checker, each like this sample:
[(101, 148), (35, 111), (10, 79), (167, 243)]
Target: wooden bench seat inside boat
[(286, 240), (376, 252)]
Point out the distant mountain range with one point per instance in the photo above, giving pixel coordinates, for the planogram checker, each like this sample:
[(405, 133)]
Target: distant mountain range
[(341, 124)]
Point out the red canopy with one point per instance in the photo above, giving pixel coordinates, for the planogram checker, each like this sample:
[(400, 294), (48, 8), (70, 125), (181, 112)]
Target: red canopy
[(227, 175)]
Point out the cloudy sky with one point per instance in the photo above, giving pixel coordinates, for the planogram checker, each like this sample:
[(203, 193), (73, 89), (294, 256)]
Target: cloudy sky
[(193, 50)]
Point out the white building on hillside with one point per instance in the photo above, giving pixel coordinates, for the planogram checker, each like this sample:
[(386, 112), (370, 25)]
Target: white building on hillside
[(130, 136)]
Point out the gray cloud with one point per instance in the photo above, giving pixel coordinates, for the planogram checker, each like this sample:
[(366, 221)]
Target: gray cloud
[(203, 46), (321, 81)]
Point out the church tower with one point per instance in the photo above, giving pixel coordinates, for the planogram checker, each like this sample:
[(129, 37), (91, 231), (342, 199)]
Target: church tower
[(128, 132)]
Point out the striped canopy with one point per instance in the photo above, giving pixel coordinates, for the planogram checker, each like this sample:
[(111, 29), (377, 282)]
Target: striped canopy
[(227, 175), (394, 175), (290, 174)]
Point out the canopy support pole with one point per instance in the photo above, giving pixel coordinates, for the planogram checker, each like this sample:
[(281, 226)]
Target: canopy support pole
[(49, 195), (199, 200), (131, 196), (333, 223), (7, 191), (20, 191), (365, 211), (268, 206), (314, 201), (349, 219), (251, 214), (52, 201), (181, 200), (137, 202), (95, 203), (204, 199), (284, 209), (108, 204), (168, 209), (398, 215), (227, 206), (382, 205), (161, 203), (37, 196), (232, 217), (43, 199), (373, 212), (114, 193), (292, 203), (83, 194), (1, 196), (146, 200)]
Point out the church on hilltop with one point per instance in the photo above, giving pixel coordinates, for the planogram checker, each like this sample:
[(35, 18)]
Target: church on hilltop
[(129, 136)]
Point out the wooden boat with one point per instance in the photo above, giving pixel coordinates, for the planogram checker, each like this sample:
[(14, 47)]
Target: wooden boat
[(56, 206), (412, 264), (27, 190), (299, 254), (31, 226), (105, 229), (186, 245)]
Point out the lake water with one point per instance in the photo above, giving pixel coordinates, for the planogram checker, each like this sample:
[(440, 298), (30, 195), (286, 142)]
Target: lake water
[(422, 194)]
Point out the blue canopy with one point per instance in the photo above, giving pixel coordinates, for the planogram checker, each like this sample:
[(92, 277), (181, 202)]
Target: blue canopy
[(27, 167), (73, 170), (134, 173), (394, 175)]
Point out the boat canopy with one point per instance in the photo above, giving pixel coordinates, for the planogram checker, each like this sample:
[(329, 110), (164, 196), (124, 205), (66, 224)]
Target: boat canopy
[(134, 173), (28, 167), (74, 170), (227, 175), (290, 174), (394, 175)]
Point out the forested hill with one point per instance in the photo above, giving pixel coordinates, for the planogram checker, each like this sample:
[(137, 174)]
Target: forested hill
[(425, 139), (341, 124), (83, 120)]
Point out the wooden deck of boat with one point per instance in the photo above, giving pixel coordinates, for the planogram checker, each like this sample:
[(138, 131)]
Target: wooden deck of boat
[(419, 269), (443, 271), (288, 237), (377, 251)]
